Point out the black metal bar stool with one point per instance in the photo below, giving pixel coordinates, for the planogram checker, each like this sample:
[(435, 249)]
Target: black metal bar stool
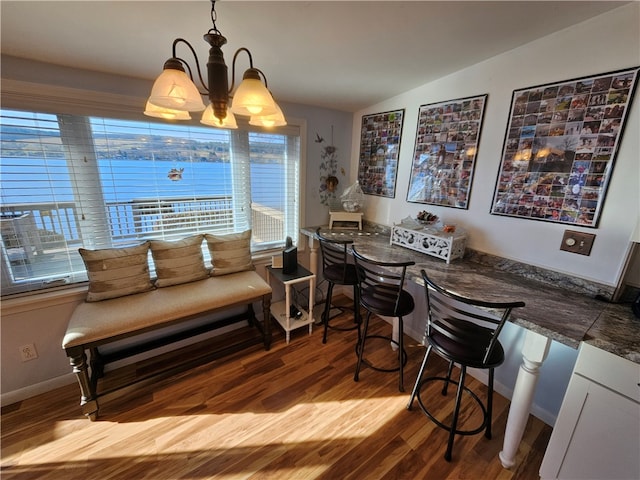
[(464, 335), (381, 293), (337, 270)]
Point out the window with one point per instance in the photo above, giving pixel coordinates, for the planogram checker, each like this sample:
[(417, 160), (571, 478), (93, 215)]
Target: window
[(71, 181)]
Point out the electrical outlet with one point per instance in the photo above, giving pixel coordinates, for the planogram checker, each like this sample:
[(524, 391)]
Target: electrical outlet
[(577, 242), (28, 352)]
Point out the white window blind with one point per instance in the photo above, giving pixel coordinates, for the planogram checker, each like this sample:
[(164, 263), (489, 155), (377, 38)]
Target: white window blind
[(71, 181)]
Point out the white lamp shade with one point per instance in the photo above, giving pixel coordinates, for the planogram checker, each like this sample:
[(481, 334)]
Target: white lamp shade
[(152, 110), (208, 118), (275, 120), (253, 98), (174, 89)]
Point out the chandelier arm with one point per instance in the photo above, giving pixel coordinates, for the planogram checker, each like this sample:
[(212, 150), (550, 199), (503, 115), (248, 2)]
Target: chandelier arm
[(184, 62), (233, 66), (264, 77)]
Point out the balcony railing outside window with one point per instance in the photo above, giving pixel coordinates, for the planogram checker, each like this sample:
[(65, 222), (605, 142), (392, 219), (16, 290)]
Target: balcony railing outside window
[(34, 234)]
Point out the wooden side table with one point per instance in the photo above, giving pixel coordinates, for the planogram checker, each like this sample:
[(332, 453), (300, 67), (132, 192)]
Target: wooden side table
[(280, 310)]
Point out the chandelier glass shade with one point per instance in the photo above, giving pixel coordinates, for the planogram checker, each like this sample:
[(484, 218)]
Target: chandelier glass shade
[(166, 113), (275, 120), (208, 118), (175, 91), (253, 98)]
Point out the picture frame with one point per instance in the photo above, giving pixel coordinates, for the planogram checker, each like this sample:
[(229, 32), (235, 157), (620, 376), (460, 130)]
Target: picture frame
[(380, 137), (446, 147), (560, 148)]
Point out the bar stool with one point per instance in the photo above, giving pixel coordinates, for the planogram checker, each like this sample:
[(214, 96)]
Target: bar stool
[(468, 336), (337, 270), (381, 293)]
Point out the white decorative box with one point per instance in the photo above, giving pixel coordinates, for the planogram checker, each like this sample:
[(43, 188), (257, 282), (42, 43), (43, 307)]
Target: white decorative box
[(447, 246)]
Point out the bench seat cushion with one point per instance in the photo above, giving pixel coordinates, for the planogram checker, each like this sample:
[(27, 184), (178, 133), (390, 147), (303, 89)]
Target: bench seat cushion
[(95, 322)]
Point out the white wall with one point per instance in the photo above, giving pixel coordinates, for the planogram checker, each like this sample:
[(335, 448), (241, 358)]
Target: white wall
[(606, 43), (319, 121)]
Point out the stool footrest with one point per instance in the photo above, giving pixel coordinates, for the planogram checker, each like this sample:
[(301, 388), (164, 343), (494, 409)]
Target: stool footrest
[(390, 340), (442, 425)]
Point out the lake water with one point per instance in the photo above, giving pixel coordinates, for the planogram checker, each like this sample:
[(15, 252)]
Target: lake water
[(32, 180)]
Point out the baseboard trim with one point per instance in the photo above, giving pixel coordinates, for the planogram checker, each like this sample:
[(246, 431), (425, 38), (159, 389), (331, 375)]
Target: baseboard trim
[(36, 389)]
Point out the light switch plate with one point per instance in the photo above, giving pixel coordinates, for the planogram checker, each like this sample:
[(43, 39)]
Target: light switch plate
[(577, 242)]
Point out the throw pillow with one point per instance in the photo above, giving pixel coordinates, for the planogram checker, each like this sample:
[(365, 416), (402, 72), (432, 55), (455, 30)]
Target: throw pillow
[(115, 272), (230, 253), (178, 262)]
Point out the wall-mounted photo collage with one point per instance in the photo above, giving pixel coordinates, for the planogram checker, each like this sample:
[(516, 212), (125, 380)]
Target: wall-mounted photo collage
[(379, 149), (445, 152), (560, 148)]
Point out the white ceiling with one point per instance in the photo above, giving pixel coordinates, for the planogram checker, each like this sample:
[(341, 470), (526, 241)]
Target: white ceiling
[(344, 55)]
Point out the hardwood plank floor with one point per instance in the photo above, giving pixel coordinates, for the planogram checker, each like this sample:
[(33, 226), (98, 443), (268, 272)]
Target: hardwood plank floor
[(291, 413)]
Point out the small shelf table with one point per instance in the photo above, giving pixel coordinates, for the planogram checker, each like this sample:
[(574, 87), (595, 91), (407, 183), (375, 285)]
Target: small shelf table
[(345, 220), (280, 310)]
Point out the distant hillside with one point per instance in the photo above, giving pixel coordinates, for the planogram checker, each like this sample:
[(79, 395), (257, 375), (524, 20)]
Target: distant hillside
[(25, 141)]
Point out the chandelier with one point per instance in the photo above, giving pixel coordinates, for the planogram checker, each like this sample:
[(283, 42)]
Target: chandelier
[(174, 93)]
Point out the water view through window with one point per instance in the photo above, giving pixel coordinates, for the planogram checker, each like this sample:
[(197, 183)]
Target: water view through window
[(71, 181)]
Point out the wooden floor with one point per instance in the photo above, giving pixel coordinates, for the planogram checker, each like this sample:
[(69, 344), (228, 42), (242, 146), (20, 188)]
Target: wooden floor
[(291, 413)]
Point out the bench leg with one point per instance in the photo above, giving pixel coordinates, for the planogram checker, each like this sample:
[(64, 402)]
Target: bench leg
[(251, 315), (266, 313), (88, 399), (97, 363)]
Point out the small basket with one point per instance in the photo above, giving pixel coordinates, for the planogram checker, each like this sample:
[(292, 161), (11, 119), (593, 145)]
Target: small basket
[(427, 222)]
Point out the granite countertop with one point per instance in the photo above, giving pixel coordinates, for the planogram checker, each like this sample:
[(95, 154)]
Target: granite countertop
[(561, 314)]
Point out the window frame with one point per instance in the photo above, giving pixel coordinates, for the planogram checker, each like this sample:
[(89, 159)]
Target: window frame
[(25, 96)]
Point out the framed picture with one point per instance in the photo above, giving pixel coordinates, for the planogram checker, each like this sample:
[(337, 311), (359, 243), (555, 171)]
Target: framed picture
[(444, 157), (379, 149), (560, 148)]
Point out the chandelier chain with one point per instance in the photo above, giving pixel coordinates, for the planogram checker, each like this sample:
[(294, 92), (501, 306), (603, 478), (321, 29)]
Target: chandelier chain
[(214, 17)]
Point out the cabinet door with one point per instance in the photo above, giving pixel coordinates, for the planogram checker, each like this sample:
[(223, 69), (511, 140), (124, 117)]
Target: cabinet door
[(597, 435)]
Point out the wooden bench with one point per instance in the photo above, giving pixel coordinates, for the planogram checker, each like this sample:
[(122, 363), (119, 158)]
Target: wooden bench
[(95, 324)]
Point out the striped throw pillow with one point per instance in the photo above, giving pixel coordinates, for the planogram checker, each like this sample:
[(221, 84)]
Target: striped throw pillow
[(230, 253), (115, 272), (179, 261)]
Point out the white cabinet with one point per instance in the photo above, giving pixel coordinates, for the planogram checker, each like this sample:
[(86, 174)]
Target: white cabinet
[(597, 432)]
